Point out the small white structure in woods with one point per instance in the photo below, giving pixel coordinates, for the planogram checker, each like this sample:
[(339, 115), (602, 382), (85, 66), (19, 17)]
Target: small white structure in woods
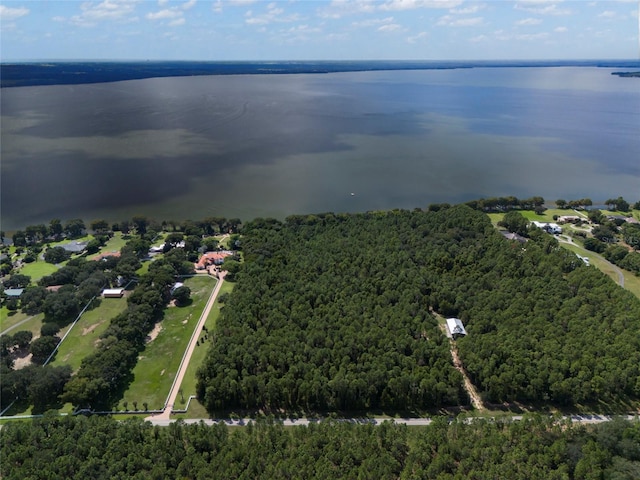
[(455, 327)]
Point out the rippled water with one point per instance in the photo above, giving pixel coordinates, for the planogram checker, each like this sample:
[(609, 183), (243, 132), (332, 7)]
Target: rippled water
[(265, 145)]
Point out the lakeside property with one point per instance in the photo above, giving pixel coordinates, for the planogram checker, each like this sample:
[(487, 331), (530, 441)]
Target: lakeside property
[(151, 376)]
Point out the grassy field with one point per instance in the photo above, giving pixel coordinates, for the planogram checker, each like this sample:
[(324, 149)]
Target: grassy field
[(32, 323), (37, 270), (530, 215), (548, 214), (82, 339), (196, 410), (9, 319), (631, 282), (114, 244), (159, 362)]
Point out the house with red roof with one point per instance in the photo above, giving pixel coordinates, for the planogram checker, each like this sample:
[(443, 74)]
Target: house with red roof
[(212, 258)]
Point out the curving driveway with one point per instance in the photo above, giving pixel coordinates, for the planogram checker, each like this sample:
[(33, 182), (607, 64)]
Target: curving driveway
[(569, 241)]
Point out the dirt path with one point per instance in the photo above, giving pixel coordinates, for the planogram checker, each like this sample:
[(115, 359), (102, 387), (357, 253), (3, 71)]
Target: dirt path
[(472, 391), (182, 370), (476, 401)]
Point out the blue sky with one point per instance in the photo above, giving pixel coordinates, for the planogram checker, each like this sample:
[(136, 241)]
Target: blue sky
[(318, 30)]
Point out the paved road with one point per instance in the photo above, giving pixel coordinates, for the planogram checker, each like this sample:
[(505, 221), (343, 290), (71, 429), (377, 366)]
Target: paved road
[(188, 353), (16, 325), (583, 419)]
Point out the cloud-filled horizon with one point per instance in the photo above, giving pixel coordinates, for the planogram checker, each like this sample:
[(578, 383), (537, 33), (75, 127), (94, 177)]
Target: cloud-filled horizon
[(227, 30)]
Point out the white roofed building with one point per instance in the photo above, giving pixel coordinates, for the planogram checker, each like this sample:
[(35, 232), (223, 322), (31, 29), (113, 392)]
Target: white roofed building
[(113, 292), (455, 327)]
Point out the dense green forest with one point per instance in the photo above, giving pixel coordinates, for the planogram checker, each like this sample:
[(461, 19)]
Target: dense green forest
[(535, 448), (332, 312)]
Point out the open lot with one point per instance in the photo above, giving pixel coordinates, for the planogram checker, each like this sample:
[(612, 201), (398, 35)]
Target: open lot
[(114, 244), (37, 270), (82, 340), (159, 362)]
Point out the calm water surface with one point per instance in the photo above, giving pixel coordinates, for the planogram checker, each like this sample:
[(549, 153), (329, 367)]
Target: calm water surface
[(264, 145)]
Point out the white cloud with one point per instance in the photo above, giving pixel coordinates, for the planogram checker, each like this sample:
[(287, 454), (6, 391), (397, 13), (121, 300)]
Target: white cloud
[(219, 5), (449, 21), (372, 22), (478, 38), (107, 10), (509, 37), (532, 36), (607, 14), (177, 22), (420, 37), (561, 29), (468, 10), (162, 2), (541, 7), (273, 14), (304, 29), (414, 4), (391, 27), (188, 5), (165, 14), (529, 21), (8, 13), (340, 8)]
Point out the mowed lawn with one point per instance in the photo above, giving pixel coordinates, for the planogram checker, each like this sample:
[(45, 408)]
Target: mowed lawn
[(37, 270), (9, 319), (32, 323), (113, 245), (547, 215), (159, 362), (84, 336), (196, 410)]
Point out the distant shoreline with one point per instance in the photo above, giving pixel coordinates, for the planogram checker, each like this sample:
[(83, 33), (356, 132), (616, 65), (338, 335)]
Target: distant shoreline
[(24, 74), (627, 74)]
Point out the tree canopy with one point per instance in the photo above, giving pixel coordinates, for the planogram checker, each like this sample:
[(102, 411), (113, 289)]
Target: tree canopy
[(534, 448), (332, 312)]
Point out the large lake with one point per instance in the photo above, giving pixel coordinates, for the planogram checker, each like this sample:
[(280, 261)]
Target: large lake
[(272, 145)]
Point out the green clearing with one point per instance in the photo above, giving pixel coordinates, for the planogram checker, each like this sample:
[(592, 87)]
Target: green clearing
[(32, 324), (9, 319), (631, 282), (159, 362), (82, 339), (632, 213), (548, 214), (144, 269), (188, 386), (37, 270), (114, 244), (495, 218)]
